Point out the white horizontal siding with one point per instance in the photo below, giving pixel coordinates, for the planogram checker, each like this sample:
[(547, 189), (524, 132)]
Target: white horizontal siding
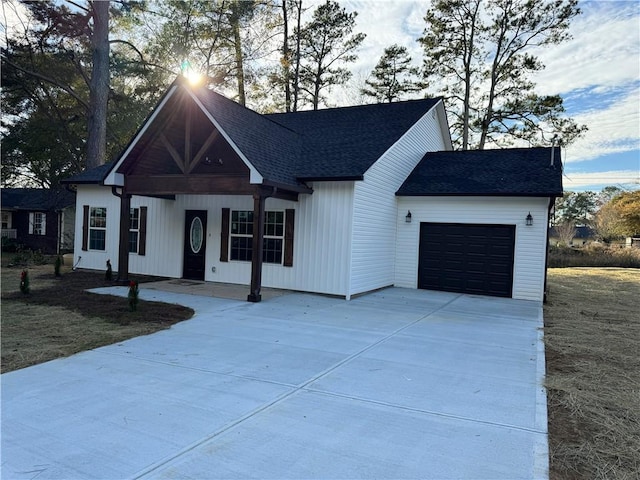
[(375, 205), (321, 237), (530, 246)]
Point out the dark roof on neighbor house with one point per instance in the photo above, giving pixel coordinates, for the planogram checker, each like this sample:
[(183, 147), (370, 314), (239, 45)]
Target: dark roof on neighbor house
[(93, 175), (582, 231), (36, 199), (291, 148), (513, 172)]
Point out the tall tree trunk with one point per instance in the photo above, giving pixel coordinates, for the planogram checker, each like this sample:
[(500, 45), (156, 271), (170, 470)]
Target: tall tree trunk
[(486, 120), (468, 62), (237, 40), (99, 85), (296, 76), (286, 59)]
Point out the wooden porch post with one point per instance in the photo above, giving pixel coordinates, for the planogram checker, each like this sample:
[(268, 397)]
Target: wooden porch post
[(123, 248), (256, 256)]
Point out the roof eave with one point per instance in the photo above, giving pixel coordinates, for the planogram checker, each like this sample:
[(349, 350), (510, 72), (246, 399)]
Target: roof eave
[(483, 194), (341, 178)]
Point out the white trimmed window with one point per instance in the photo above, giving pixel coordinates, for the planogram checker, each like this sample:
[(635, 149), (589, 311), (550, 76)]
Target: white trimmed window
[(6, 220), (97, 228), (37, 223), (134, 230), (242, 236)]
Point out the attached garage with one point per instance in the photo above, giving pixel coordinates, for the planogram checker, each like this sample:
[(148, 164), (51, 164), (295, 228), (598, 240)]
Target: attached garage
[(466, 258), (476, 222)]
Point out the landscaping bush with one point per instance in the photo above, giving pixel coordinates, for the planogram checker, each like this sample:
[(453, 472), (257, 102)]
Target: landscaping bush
[(10, 245), (25, 257), (594, 255)]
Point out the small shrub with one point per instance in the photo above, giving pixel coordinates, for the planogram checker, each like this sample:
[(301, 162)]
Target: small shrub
[(57, 266), (108, 275), (21, 257), (26, 256), (24, 282), (37, 258), (10, 245), (134, 292)]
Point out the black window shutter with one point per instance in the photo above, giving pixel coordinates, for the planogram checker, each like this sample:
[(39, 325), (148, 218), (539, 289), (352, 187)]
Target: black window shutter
[(85, 227), (224, 235), (289, 223), (142, 241)]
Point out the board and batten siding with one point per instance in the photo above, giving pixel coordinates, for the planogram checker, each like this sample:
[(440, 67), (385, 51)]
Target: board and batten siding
[(530, 243), (375, 205), (96, 196), (322, 237)]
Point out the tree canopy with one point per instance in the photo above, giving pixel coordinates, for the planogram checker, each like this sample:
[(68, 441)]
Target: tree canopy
[(79, 76), (393, 76), (327, 43), (479, 55)]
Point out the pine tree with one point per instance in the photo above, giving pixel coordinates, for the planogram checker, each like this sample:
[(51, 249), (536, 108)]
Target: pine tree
[(393, 76), (478, 54), (326, 42)]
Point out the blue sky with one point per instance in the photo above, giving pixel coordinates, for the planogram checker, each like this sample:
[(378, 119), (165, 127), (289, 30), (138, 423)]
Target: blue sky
[(597, 72)]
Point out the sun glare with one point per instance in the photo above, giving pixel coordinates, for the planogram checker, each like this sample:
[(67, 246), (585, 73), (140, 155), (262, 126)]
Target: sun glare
[(193, 76)]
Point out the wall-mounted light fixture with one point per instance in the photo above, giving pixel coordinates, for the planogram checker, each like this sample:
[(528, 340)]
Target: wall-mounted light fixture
[(408, 217), (529, 220)]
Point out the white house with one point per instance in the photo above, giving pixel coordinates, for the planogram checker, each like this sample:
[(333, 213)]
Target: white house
[(317, 201)]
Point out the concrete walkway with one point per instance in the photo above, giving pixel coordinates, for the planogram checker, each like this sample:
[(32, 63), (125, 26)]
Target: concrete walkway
[(395, 384)]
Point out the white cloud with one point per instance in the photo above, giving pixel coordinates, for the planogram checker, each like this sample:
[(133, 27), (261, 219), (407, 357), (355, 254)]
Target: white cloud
[(603, 53), (612, 129), (14, 19), (597, 180)]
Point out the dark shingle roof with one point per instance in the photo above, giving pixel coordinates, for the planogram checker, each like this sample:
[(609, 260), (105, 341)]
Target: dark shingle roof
[(342, 143), (271, 148), (93, 175), (513, 171), (35, 199), (582, 231), (290, 148)]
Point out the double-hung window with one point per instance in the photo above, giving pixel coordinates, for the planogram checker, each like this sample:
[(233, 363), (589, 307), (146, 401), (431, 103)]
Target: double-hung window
[(242, 236), (97, 228), (37, 223), (134, 229)]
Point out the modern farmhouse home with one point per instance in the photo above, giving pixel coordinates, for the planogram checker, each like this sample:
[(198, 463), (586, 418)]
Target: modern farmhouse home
[(338, 201)]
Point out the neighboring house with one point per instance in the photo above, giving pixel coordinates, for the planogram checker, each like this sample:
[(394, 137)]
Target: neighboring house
[(317, 201), (583, 236), (38, 218)]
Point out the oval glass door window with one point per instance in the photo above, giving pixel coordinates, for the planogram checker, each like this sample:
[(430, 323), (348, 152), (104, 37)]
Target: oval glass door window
[(196, 235)]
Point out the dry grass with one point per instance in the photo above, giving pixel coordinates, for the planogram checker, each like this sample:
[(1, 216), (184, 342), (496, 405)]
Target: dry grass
[(592, 337), (59, 318), (594, 255)]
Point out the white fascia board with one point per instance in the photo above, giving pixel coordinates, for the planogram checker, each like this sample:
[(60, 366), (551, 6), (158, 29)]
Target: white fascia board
[(255, 177), (444, 124), (434, 112), (117, 179)]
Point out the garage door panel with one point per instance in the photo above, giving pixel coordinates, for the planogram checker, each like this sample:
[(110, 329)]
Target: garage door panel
[(467, 258)]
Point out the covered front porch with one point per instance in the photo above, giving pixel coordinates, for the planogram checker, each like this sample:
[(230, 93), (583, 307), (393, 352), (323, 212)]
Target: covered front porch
[(183, 151)]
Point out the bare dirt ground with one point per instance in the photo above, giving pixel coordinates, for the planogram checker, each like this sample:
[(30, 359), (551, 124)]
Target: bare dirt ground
[(592, 337), (59, 318)]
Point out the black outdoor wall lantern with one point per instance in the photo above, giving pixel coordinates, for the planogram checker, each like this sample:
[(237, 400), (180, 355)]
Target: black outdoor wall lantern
[(529, 220), (408, 217)]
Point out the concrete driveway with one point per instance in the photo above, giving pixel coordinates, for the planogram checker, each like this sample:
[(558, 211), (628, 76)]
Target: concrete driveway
[(395, 384)]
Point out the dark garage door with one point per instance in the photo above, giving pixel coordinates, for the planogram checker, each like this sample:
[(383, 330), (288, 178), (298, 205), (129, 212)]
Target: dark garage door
[(466, 258)]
